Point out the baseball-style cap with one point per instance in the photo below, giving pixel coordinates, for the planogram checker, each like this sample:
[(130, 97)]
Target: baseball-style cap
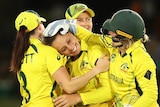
[(29, 19), (75, 10)]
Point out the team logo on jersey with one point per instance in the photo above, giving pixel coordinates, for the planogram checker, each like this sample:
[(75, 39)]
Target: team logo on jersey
[(58, 57), (84, 64), (112, 58), (124, 67)]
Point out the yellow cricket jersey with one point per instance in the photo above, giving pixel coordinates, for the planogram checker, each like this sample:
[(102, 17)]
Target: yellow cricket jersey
[(35, 76), (135, 68), (98, 89)]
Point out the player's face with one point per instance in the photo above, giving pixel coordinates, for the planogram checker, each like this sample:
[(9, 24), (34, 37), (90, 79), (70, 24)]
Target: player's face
[(115, 41), (85, 20), (67, 44), (119, 41)]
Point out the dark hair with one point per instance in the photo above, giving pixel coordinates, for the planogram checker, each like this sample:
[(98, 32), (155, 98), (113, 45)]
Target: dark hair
[(21, 44), (49, 40)]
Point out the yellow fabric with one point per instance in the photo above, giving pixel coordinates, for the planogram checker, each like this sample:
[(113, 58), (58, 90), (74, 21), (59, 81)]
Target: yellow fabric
[(29, 19), (123, 72), (93, 38), (35, 76), (98, 88), (105, 104)]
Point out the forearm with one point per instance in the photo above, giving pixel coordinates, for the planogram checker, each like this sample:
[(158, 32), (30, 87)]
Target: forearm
[(78, 82), (99, 95)]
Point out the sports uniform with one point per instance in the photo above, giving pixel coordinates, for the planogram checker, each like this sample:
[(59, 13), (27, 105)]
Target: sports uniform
[(62, 32), (35, 82), (38, 64), (129, 73), (97, 92), (133, 74)]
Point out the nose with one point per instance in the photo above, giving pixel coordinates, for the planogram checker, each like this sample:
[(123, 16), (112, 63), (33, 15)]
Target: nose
[(70, 47)]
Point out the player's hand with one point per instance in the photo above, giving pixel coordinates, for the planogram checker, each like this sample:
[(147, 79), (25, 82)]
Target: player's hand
[(67, 100), (103, 63)]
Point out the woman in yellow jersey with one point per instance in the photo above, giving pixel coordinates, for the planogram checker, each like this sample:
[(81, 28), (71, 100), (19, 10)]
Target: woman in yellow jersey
[(82, 14), (132, 70), (82, 58), (38, 66)]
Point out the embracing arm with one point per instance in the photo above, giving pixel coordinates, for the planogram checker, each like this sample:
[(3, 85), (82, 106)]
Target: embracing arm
[(94, 38), (95, 96), (72, 85), (100, 94)]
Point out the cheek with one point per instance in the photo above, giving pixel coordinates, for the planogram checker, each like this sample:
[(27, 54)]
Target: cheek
[(42, 27), (112, 33)]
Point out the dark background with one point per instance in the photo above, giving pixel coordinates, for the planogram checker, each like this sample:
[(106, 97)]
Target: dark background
[(55, 9)]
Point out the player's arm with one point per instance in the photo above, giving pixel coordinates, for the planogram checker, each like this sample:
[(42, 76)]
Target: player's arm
[(146, 77), (71, 85), (61, 75), (103, 92), (90, 37), (99, 95)]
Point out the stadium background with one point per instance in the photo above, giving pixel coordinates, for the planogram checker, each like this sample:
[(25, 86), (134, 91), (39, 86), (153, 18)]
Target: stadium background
[(54, 9)]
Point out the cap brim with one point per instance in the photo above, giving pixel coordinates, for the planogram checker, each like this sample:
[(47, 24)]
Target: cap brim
[(106, 25), (42, 19), (91, 12)]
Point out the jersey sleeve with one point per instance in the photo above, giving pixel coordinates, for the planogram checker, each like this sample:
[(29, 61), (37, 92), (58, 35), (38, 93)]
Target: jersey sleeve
[(100, 94), (146, 78), (54, 60), (92, 38), (96, 52), (103, 92)]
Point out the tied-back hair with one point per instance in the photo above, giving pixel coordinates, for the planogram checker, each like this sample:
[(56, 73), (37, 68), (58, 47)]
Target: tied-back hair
[(145, 38), (21, 44)]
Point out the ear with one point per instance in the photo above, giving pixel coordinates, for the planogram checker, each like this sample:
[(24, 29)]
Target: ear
[(41, 27)]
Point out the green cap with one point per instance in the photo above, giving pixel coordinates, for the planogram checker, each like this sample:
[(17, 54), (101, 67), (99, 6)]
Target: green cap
[(127, 23), (75, 10)]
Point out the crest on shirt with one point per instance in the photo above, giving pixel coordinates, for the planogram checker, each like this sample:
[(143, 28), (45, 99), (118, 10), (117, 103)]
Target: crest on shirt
[(124, 67), (83, 65), (58, 57), (112, 57)]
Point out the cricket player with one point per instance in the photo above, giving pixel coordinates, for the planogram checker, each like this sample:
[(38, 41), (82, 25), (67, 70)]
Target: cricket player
[(39, 66), (82, 13), (83, 57), (132, 69)]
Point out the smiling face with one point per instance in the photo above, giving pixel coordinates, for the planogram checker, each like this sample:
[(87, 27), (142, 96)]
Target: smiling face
[(67, 44), (85, 20)]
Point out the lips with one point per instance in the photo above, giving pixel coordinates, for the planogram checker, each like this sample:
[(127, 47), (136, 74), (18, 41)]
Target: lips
[(74, 49)]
